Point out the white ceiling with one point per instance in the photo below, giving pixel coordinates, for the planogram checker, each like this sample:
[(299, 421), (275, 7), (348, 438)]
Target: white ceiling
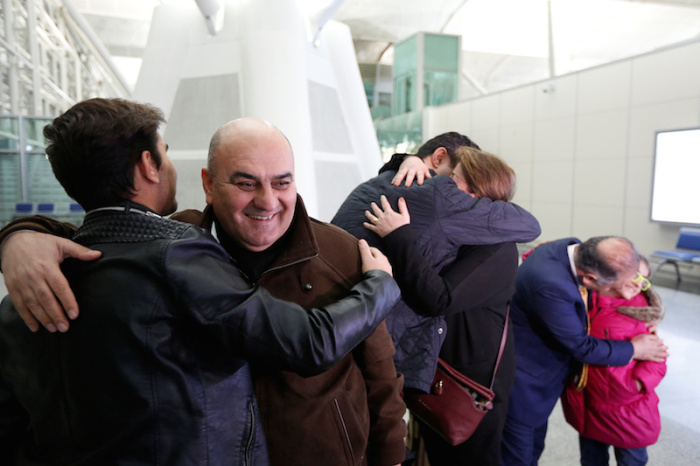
[(504, 42)]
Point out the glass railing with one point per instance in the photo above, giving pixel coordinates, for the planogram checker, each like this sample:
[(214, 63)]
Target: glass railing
[(27, 183), (400, 133)]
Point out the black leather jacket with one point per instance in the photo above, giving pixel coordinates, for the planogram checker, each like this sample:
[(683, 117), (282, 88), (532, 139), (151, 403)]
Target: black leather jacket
[(155, 369)]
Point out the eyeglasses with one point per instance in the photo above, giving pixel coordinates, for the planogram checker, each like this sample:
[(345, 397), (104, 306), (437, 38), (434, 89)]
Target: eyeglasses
[(643, 281)]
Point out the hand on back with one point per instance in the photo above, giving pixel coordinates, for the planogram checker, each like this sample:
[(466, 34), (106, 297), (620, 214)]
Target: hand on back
[(38, 289), (383, 220), (412, 168)]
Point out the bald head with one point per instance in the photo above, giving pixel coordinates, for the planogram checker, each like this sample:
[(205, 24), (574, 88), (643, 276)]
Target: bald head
[(241, 132), (607, 264), (619, 253), (607, 257)]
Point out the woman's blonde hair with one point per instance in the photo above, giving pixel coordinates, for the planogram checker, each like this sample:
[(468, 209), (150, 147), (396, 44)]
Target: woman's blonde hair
[(486, 174)]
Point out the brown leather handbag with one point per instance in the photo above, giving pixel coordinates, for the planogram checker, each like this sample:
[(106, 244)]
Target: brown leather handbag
[(456, 404)]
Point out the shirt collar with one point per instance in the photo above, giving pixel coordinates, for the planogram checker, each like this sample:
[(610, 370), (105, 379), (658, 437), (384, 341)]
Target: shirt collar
[(571, 251)]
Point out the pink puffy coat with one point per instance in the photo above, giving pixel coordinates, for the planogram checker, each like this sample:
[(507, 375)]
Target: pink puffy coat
[(611, 409)]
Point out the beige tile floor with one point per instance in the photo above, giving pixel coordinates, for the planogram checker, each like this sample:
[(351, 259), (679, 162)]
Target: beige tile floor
[(679, 392)]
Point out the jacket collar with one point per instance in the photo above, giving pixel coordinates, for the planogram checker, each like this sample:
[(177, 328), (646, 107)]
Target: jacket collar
[(127, 207), (302, 244)]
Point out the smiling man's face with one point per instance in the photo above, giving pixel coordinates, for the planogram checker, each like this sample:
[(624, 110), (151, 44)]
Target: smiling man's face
[(252, 188)]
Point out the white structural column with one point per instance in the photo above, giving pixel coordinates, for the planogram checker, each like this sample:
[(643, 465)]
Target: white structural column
[(274, 81), (13, 84), (261, 63), (36, 59)]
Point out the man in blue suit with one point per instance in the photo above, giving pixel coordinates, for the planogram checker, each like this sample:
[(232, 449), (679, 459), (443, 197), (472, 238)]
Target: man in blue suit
[(548, 316)]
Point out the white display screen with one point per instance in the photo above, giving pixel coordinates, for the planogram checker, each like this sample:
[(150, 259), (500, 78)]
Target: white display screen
[(676, 189)]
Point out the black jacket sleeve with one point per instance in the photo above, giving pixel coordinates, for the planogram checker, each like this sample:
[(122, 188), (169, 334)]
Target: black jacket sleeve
[(468, 282), (261, 328)]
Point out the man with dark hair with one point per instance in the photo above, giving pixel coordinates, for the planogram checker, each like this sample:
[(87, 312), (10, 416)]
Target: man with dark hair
[(439, 155), (114, 133), (549, 316), (444, 216), (450, 142), (255, 213), (156, 369)]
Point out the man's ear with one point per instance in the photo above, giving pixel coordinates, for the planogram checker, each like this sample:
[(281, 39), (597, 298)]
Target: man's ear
[(147, 168), (439, 156), (589, 280), (208, 185)]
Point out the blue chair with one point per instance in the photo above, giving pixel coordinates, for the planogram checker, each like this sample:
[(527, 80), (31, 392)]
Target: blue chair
[(687, 249), (75, 208), (45, 208), (24, 208)]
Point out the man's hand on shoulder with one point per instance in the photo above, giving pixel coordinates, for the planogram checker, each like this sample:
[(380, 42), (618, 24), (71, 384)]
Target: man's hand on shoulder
[(373, 259), (31, 268), (411, 168)]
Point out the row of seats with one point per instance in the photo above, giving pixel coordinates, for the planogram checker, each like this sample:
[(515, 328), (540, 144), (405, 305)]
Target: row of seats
[(23, 209), (687, 251)]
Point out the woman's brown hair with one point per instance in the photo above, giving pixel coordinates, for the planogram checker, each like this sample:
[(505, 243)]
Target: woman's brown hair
[(486, 174)]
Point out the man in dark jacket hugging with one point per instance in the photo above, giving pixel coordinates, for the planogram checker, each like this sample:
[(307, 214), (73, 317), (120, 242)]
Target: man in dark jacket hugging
[(155, 370), (351, 414)]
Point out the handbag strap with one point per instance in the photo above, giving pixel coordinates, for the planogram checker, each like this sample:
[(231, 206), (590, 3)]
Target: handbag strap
[(503, 345)]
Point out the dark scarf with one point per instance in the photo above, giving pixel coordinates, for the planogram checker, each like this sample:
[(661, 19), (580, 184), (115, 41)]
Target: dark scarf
[(252, 264)]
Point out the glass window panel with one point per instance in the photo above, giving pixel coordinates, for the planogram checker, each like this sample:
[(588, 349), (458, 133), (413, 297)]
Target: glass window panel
[(10, 185), (405, 56), (34, 133), (369, 90), (440, 87), (9, 133), (401, 133), (385, 99), (405, 93), (42, 184), (441, 53)]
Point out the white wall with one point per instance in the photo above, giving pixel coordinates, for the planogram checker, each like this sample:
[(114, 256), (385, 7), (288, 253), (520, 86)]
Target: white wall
[(584, 152)]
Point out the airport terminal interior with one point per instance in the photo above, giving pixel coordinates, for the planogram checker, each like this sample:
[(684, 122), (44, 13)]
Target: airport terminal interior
[(594, 103)]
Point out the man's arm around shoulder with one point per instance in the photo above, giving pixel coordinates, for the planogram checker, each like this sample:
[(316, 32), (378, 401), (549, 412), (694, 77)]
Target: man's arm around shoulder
[(250, 323)]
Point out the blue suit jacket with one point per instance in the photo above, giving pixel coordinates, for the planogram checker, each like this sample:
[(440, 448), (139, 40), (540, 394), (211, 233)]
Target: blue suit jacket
[(549, 321)]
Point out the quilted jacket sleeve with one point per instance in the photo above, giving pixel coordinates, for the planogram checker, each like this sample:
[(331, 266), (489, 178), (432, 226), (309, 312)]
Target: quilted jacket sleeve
[(466, 220)]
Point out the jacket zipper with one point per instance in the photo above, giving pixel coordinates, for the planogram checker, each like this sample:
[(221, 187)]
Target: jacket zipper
[(345, 430), (249, 443), (279, 267)]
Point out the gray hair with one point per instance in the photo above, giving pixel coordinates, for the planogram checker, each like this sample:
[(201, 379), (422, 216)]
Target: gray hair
[(218, 137), (607, 264)]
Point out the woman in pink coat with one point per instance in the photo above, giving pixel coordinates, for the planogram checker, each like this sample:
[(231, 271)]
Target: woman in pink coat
[(618, 406)]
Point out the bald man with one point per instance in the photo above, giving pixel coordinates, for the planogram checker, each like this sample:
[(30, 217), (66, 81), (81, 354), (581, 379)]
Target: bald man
[(351, 414), (548, 315)]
